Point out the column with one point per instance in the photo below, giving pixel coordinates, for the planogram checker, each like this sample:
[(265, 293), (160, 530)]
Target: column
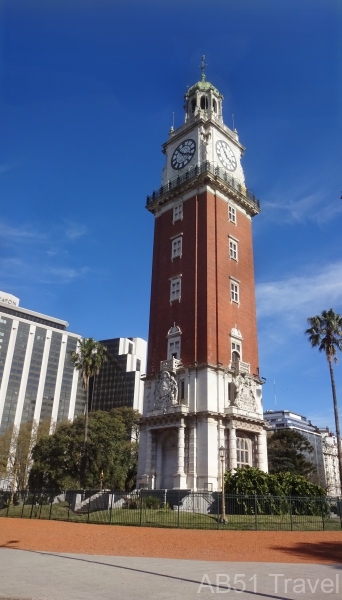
[(145, 478), (232, 449), (262, 451), (192, 473), (148, 460), (180, 477)]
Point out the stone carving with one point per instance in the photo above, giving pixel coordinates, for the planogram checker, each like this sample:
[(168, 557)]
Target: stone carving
[(245, 393), (166, 390)]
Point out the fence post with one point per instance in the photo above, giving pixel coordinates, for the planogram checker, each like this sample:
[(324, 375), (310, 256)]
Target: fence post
[(256, 512), (322, 511), (178, 511), (51, 505), (141, 504), (33, 499), (290, 507), (111, 508), (88, 515), (71, 497), (218, 510), (22, 510)]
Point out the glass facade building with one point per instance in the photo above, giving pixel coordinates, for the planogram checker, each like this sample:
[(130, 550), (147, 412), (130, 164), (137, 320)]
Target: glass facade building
[(37, 379), (119, 381)]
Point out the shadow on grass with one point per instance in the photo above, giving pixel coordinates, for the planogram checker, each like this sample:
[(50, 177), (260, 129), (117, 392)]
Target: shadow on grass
[(326, 551)]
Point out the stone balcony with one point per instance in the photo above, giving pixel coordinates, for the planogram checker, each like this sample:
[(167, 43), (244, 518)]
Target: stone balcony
[(170, 365), (240, 367)]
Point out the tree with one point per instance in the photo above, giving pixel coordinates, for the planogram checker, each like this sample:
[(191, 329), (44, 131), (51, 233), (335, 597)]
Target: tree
[(111, 449), (325, 332), (16, 446), (286, 450), (88, 359), (252, 491)]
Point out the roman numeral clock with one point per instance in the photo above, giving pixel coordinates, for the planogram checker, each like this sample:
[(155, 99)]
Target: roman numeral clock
[(203, 390)]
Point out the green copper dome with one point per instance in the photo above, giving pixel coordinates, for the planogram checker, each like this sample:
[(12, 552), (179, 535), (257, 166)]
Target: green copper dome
[(203, 86)]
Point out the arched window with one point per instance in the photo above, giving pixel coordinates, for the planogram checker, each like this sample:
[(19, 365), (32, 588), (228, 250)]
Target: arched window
[(236, 344), (174, 342), (193, 104), (204, 103), (214, 105), (236, 351)]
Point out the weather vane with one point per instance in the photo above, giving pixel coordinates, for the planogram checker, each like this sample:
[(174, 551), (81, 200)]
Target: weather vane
[(203, 66)]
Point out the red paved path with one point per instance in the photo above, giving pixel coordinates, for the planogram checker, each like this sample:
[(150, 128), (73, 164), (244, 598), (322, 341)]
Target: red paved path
[(114, 540)]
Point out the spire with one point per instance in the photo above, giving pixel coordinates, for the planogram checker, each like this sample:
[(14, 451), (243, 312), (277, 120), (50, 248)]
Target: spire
[(203, 66)]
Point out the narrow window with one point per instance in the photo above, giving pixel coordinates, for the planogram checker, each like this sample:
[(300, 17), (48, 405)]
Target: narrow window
[(233, 249), (174, 349), (204, 103), (232, 213), (234, 291), (175, 289), (178, 212), (215, 105), (181, 389), (236, 351), (193, 104), (176, 247), (242, 452)]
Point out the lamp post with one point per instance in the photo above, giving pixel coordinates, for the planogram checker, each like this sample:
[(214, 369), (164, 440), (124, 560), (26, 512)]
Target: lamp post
[(222, 452), (101, 480)]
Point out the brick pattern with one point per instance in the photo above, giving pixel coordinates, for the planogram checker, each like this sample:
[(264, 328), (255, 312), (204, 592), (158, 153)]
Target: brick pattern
[(205, 312)]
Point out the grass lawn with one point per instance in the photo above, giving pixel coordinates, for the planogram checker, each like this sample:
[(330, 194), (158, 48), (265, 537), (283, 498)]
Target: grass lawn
[(173, 518)]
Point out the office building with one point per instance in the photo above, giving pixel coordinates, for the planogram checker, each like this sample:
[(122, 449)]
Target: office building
[(285, 419), (37, 379), (332, 473), (119, 381)]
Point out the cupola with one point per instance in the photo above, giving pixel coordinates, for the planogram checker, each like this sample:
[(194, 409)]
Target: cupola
[(203, 99)]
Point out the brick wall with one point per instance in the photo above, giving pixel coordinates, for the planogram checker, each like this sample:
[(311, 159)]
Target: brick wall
[(205, 313)]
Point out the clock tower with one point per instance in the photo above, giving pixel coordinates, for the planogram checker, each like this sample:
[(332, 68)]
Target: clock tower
[(202, 386)]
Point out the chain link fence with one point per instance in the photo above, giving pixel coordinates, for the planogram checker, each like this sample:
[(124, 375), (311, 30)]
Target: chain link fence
[(176, 508)]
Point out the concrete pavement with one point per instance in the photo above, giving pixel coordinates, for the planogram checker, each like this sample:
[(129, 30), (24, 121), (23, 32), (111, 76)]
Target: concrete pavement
[(33, 575)]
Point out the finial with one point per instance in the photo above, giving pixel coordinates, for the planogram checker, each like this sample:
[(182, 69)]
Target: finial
[(203, 65)]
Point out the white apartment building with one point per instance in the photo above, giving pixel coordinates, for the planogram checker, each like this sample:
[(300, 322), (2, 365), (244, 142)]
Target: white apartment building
[(37, 379), (330, 457)]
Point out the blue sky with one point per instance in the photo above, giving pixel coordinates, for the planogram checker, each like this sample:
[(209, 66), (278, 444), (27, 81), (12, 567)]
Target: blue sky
[(87, 94)]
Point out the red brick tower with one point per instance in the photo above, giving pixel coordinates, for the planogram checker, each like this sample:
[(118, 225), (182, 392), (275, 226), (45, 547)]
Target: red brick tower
[(202, 389)]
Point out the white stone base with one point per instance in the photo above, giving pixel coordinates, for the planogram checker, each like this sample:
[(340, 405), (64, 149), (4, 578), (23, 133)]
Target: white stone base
[(179, 443)]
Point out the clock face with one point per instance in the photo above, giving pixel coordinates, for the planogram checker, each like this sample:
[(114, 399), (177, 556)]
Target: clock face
[(183, 154), (226, 155)]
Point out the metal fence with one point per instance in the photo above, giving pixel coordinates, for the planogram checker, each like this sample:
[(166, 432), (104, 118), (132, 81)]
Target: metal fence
[(177, 509)]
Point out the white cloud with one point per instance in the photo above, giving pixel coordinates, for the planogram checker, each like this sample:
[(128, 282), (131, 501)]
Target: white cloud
[(75, 230), (300, 296), (303, 207), (20, 234), (5, 168), (66, 273)]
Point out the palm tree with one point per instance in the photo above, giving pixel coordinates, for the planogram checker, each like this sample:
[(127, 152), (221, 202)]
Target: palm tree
[(88, 358), (325, 331)]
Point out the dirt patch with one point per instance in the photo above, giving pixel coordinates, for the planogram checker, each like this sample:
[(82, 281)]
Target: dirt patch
[(113, 540)]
